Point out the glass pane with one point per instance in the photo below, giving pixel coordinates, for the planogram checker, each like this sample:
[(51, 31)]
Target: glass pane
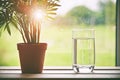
[(97, 14)]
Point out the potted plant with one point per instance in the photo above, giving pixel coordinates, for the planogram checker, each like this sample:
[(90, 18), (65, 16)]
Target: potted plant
[(26, 16)]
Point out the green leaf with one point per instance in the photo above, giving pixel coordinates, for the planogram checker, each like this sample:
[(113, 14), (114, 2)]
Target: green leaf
[(51, 13), (14, 23), (52, 4), (2, 19), (8, 28), (1, 30), (49, 17), (52, 9)]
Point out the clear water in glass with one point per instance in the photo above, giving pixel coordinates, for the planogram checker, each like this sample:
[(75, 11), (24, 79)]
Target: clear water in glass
[(83, 50)]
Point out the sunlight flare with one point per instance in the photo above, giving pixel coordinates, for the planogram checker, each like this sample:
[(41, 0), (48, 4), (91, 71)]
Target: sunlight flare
[(38, 14)]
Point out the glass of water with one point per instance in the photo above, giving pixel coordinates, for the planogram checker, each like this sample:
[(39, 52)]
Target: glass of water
[(83, 50)]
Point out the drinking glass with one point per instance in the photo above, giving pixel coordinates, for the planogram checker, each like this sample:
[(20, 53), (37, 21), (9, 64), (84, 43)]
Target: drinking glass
[(83, 50)]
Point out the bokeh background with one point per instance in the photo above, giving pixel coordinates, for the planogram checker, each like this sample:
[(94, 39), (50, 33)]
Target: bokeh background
[(97, 14)]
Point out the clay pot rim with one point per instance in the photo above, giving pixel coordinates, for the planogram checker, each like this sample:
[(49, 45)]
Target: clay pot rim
[(31, 43)]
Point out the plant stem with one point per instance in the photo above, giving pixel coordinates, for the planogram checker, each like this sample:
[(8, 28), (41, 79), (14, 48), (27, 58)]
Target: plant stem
[(39, 27), (34, 32), (25, 29), (31, 31)]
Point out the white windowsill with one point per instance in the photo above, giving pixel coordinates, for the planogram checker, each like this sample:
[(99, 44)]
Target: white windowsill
[(61, 73)]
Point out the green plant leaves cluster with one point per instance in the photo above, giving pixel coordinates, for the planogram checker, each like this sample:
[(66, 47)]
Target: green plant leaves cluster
[(6, 13), (17, 13)]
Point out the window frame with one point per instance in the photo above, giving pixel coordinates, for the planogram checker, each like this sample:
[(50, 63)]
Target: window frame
[(117, 57), (108, 76)]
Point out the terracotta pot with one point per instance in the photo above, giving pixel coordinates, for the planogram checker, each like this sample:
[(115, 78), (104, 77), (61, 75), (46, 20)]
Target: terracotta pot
[(32, 57)]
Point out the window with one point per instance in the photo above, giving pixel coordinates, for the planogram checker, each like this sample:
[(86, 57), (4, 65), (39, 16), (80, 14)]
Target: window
[(99, 14)]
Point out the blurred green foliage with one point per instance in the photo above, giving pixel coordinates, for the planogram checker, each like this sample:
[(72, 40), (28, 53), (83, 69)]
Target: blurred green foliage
[(59, 52), (82, 15), (59, 37)]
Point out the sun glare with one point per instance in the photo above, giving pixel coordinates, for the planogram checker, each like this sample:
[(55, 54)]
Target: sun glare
[(38, 14)]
